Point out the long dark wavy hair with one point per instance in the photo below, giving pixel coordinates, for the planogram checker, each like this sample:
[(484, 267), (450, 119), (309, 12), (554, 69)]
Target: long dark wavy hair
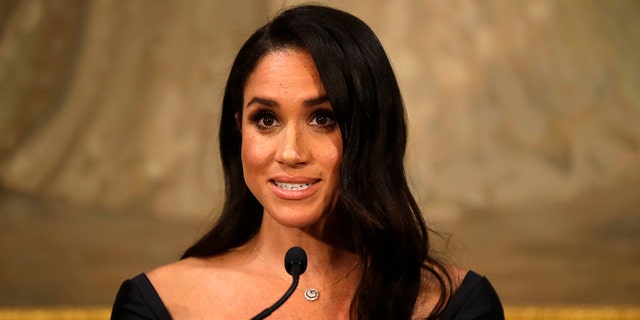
[(387, 227)]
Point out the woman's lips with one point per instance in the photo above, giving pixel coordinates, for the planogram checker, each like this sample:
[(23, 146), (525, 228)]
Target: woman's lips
[(294, 190), (293, 186)]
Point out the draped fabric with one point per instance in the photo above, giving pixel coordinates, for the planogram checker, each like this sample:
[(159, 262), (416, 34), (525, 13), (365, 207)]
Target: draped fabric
[(523, 119), (116, 103)]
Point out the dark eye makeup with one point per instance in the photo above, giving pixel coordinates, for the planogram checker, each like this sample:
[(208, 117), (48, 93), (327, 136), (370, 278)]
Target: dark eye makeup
[(263, 119), (324, 119)]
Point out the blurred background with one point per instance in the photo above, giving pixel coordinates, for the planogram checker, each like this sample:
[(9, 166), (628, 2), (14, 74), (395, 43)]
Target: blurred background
[(524, 138)]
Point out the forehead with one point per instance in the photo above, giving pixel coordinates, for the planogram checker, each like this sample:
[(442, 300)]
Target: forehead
[(286, 59), (289, 73)]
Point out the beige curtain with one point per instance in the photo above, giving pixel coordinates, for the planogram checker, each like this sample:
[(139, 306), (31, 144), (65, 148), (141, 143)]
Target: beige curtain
[(115, 103)]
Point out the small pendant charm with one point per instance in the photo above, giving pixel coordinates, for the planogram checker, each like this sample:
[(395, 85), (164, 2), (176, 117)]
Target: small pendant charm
[(311, 294)]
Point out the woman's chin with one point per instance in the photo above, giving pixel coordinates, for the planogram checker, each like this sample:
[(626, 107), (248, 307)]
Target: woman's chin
[(299, 219)]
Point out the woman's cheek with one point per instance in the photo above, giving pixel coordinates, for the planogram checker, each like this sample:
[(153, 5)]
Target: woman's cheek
[(255, 152)]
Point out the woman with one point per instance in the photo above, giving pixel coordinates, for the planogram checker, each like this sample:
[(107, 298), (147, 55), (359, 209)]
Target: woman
[(312, 140)]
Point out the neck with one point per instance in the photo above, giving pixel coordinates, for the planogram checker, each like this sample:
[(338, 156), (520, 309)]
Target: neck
[(326, 241), (329, 256)]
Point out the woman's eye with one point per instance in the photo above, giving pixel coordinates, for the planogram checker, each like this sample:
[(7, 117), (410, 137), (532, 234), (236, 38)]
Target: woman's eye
[(264, 120), (267, 120), (322, 119)]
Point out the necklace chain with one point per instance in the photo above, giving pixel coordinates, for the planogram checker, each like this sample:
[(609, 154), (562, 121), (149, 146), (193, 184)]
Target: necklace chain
[(310, 294)]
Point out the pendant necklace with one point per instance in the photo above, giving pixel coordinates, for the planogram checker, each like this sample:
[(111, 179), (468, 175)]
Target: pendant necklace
[(311, 294)]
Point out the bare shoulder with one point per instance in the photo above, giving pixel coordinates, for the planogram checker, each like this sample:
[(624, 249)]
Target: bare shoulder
[(190, 272), (177, 272), (194, 284), (431, 288), (457, 276), (452, 276)]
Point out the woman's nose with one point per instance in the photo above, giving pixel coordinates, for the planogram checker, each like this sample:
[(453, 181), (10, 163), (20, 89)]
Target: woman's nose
[(291, 150)]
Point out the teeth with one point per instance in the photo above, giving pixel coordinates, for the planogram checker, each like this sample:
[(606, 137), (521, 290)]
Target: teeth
[(293, 186)]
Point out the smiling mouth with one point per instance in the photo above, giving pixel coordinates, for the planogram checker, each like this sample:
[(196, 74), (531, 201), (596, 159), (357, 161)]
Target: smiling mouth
[(293, 186)]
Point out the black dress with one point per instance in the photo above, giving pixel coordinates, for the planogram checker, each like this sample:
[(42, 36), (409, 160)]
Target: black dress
[(474, 299)]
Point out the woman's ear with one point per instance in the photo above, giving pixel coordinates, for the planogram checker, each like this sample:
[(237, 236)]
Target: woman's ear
[(238, 117)]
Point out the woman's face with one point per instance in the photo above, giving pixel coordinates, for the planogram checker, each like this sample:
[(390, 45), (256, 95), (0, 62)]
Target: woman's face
[(291, 144)]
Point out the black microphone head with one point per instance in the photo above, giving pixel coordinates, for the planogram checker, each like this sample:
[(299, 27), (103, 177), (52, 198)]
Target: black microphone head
[(295, 256)]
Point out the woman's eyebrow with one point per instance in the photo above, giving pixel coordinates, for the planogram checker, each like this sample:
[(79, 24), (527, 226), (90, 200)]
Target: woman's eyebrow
[(271, 103), (316, 101), (262, 101)]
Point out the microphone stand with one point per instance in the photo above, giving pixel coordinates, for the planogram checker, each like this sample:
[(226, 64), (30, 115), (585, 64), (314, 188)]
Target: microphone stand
[(266, 312), (295, 262)]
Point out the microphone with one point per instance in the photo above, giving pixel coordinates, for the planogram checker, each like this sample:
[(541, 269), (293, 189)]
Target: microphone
[(295, 262)]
